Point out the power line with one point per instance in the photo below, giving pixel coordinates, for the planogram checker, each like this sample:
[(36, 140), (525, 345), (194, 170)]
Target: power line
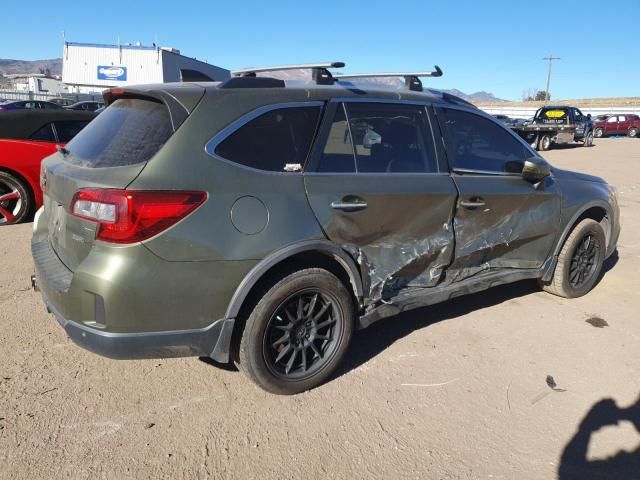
[(551, 58)]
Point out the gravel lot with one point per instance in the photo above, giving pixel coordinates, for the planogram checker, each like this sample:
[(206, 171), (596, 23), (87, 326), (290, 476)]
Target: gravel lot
[(459, 390)]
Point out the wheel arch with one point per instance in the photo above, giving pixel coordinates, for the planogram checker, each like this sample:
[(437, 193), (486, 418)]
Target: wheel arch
[(597, 210), (299, 255)]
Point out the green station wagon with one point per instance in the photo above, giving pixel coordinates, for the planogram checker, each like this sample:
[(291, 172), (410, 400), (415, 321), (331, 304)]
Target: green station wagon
[(262, 222)]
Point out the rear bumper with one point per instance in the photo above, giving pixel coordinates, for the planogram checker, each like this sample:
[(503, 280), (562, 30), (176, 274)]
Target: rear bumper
[(212, 341), (82, 314)]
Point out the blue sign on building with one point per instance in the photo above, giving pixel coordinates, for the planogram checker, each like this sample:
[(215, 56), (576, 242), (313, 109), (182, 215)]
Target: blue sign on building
[(109, 72)]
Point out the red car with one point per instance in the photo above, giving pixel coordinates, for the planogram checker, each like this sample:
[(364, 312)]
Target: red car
[(617, 124), (27, 137)]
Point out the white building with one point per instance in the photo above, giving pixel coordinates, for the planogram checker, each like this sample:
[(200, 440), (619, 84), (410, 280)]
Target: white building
[(90, 67), (36, 83)]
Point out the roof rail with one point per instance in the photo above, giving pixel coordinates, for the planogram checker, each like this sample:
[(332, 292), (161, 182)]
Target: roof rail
[(320, 74), (411, 79)]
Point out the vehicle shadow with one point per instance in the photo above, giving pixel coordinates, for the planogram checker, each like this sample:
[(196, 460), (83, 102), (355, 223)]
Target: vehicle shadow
[(624, 465), (370, 342), (567, 146)]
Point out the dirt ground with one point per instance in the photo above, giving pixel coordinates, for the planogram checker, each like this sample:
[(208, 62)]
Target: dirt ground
[(455, 391)]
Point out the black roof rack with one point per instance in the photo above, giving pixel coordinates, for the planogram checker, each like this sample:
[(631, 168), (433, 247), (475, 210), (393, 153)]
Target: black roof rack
[(411, 79), (321, 74)]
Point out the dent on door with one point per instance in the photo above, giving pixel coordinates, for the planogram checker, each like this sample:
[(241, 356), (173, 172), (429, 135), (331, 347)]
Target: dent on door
[(515, 229), (401, 239)]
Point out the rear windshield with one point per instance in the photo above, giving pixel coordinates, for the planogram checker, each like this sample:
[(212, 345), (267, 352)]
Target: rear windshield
[(130, 131), (553, 115)]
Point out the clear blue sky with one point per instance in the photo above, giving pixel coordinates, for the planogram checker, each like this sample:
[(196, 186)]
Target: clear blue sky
[(489, 45)]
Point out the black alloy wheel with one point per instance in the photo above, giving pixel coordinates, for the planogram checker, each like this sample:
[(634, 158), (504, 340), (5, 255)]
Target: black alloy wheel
[(584, 261), (302, 335)]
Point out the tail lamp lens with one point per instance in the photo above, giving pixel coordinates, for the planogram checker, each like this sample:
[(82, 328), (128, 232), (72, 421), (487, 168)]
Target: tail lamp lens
[(129, 216)]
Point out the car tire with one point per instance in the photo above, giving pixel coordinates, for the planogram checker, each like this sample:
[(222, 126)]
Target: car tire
[(599, 133), (292, 342), (588, 140), (633, 132), (15, 199), (580, 261), (545, 143), (536, 143)]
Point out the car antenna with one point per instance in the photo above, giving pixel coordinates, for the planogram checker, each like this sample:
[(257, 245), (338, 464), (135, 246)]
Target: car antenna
[(321, 74), (411, 79)]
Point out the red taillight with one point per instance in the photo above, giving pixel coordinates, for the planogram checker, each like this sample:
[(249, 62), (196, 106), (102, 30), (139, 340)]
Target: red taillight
[(129, 216)]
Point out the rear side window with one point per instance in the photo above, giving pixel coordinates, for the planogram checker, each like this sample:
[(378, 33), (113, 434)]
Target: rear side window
[(337, 155), (391, 138), (379, 138), (477, 143), (277, 139), (44, 134), (66, 130), (130, 131)]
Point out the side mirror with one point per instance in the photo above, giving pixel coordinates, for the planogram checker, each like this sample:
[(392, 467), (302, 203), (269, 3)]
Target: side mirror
[(535, 170)]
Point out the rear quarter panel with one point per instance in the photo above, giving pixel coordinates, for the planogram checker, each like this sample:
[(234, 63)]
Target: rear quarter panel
[(276, 199)]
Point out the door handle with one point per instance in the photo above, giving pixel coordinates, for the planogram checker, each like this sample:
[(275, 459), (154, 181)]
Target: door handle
[(349, 205), (473, 203)]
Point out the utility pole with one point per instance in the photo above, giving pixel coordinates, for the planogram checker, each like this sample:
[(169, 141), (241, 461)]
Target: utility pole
[(551, 58)]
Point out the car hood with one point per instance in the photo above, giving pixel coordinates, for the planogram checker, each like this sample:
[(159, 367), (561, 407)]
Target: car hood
[(570, 175)]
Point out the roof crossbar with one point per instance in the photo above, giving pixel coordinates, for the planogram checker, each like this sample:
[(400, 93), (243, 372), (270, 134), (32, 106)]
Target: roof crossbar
[(411, 79), (320, 73)]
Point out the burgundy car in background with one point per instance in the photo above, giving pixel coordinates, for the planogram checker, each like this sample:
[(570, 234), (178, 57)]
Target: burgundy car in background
[(617, 124)]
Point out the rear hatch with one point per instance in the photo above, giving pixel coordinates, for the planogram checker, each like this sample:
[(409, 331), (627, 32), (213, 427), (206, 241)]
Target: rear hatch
[(109, 153)]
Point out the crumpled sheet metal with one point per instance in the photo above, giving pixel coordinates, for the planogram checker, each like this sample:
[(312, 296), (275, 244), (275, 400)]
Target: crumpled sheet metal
[(511, 237), (394, 262)]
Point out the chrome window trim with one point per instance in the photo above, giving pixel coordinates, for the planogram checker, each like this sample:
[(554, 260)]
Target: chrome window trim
[(211, 145), (484, 173), (380, 174)]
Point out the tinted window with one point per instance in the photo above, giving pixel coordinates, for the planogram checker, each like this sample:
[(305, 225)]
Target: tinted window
[(476, 143), (337, 155), (130, 131), (553, 116), (391, 138), (44, 134), (274, 140), (68, 129)]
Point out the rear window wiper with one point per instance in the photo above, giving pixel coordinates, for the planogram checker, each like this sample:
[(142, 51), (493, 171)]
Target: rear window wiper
[(62, 150)]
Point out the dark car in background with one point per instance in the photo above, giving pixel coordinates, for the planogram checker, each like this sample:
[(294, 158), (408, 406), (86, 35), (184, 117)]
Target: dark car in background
[(26, 137), (617, 124), (63, 102), (29, 105), (87, 106), (263, 222)]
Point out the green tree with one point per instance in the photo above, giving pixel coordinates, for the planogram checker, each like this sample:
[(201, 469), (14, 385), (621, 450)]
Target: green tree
[(541, 96)]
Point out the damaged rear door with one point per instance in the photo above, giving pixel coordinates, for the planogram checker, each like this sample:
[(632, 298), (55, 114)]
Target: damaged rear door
[(501, 220), (375, 184)]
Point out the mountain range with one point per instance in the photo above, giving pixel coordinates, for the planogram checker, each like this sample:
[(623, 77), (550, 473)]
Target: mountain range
[(9, 66)]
